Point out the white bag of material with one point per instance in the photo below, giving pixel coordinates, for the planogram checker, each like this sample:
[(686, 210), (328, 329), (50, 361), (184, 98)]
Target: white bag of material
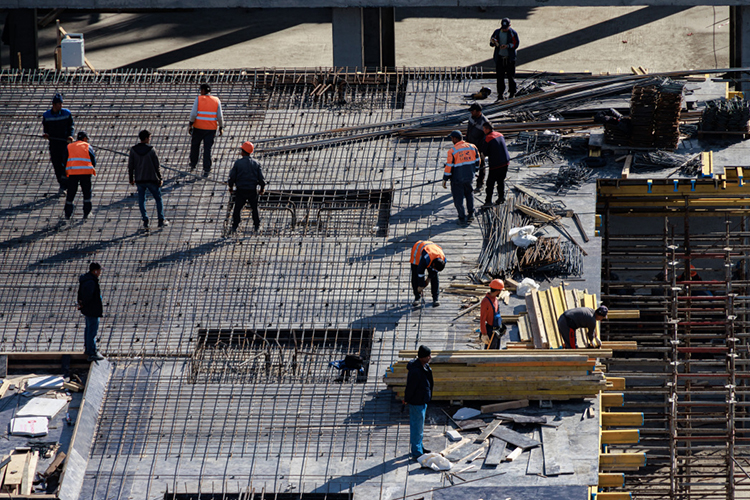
[(434, 461), (522, 236), (527, 286)]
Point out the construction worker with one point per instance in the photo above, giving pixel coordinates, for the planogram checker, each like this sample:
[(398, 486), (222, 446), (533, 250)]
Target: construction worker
[(580, 317), (695, 291), (475, 136), (247, 175), (417, 394), (490, 320), (58, 127), (462, 163), (426, 258), (205, 119), (90, 305), (79, 167), (144, 172), (505, 41), (494, 147)]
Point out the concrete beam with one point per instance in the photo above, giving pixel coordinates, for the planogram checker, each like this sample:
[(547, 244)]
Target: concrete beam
[(252, 4), (739, 40), (364, 37), (20, 34)]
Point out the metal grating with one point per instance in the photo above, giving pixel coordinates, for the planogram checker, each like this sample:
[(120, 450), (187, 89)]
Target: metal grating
[(253, 495)]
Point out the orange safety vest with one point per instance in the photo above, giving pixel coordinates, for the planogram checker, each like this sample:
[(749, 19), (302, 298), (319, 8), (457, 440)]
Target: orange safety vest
[(208, 113), (432, 250), (462, 153), (79, 160)]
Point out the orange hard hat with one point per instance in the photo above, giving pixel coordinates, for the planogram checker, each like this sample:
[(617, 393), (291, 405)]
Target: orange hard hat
[(497, 284), (693, 272), (248, 147)]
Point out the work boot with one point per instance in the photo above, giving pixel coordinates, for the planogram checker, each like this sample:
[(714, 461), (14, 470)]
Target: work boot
[(470, 220), (97, 356), (436, 303), (416, 303), (206, 172), (145, 224), (163, 222)]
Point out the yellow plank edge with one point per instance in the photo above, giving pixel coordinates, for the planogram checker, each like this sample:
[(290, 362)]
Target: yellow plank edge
[(611, 479), (622, 419), (621, 436)]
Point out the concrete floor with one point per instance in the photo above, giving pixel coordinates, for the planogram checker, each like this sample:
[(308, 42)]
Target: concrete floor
[(598, 39)]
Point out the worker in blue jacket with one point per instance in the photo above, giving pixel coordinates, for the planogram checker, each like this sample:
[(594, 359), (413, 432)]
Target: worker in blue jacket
[(417, 394), (505, 41), (59, 128), (460, 167)]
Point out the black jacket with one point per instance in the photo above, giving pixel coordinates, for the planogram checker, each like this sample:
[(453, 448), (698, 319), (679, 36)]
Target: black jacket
[(247, 174), (419, 383), (143, 164), (475, 131), (90, 296), (496, 150)]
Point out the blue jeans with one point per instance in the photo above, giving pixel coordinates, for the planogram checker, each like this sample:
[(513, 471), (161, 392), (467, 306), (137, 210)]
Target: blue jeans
[(463, 191), (416, 428), (89, 334), (155, 191)]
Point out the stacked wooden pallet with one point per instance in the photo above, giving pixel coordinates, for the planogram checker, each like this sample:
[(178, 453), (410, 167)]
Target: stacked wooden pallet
[(507, 374)]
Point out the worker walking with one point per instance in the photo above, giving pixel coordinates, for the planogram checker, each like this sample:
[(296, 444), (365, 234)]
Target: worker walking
[(490, 320), (462, 163), (79, 167), (495, 148), (475, 136), (144, 171), (90, 305), (417, 394), (426, 258), (580, 317), (205, 118), (247, 175), (58, 127), (505, 41)]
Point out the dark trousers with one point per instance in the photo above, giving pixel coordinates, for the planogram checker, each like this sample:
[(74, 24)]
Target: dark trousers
[(155, 191), (58, 155), (496, 176), (481, 172), (89, 334), (567, 333), (242, 197), (460, 191), (434, 282), (207, 138), (85, 183), (505, 68)]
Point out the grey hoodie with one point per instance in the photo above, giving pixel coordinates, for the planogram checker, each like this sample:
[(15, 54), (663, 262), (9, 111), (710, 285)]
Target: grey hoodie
[(143, 164)]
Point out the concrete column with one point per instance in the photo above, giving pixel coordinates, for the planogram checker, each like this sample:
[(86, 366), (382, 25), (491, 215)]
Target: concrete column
[(364, 37), (20, 34), (739, 43)]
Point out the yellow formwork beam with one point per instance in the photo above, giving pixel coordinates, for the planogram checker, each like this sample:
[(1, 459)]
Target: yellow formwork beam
[(686, 188), (616, 383), (611, 479), (612, 399), (613, 495), (621, 436), (622, 419), (621, 460), (707, 163)]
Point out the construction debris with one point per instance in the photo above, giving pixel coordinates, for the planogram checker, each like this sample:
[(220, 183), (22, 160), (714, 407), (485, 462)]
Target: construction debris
[(726, 116)]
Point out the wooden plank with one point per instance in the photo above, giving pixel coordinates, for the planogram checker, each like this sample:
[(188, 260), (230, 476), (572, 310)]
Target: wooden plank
[(14, 472), (521, 419), (548, 331), (510, 405), (59, 458), (611, 479), (614, 495), (27, 482), (622, 419), (535, 466), (534, 321), (612, 399), (626, 166), (488, 430), (514, 455), (556, 449), (621, 436), (456, 446), (515, 438), (616, 383), (495, 453), (523, 329), (464, 451), (622, 461), (467, 425)]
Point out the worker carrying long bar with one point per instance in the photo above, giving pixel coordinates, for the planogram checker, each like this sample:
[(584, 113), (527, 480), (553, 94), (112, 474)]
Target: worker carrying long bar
[(426, 258), (580, 317), (490, 320)]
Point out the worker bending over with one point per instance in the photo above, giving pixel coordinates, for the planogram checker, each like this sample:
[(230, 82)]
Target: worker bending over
[(205, 118), (462, 163), (580, 317), (426, 258), (490, 320)]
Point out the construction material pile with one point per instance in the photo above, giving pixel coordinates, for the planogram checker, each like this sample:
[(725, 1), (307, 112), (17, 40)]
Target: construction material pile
[(642, 112), (506, 374), (552, 256), (667, 115), (726, 116)]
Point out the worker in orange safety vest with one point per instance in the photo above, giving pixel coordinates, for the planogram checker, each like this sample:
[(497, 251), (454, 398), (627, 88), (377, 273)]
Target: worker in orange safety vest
[(460, 167), (490, 320), (205, 118), (426, 258), (79, 167)]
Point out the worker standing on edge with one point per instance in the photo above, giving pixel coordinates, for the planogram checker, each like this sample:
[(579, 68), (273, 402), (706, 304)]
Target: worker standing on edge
[(494, 147), (79, 167), (205, 118), (90, 305), (475, 136), (247, 175), (580, 317), (58, 130), (462, 163), (505, 41), (490, 320), (144, 172), (417, 394), (426, 257)]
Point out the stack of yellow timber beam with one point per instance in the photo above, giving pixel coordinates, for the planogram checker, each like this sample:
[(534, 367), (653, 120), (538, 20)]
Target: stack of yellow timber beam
[(505, 375)]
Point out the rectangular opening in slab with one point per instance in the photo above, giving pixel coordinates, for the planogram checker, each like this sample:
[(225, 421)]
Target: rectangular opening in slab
[(239, 355), (257, 496)]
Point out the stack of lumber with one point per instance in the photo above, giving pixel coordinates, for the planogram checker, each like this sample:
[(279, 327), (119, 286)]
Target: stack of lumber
[(507, 374)]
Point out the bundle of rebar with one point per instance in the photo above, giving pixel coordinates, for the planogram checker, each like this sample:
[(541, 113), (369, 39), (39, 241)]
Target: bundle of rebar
[(567, 177), (552, 256), (667, 116), (642, 111), (659, 160), (726, 116)]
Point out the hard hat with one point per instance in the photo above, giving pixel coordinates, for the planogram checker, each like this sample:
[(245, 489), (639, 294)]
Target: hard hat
[(248, 147), (693, 272), (497, 284)]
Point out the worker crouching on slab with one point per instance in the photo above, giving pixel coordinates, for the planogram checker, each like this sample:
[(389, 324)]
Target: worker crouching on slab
[(205, 118), (580, 317), (90, 305), (79, 167), (247, 175), (490, 320), (417, 394), (460, 167), (144, 172), (58, 130), (426, 258), (495, 148)]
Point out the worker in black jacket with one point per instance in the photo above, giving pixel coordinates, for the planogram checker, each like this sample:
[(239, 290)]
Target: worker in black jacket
[(475, 136), (90, 305), (144, 171), (418, 393), (247, 175), (58, 126), (495, 148)]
